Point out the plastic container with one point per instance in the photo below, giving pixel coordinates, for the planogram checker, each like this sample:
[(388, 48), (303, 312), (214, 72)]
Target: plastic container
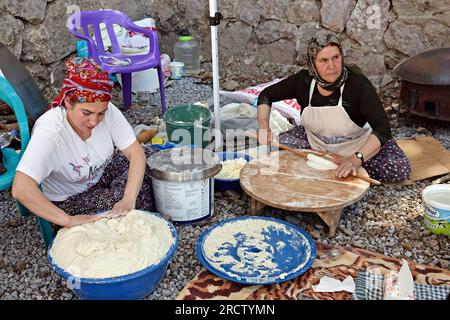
[(143, 81), (165, 146), (188, 125), (186, 50), (146, 80), (176, 70), (437, 226), (136, 285), (436, 200), (183, 183), (229, 184), (160, 139)]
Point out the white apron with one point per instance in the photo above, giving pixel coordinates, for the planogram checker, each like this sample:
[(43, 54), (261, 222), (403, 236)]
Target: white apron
[(329, 128)]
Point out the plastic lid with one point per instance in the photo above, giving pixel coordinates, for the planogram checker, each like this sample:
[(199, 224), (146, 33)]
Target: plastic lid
[(185, 38)]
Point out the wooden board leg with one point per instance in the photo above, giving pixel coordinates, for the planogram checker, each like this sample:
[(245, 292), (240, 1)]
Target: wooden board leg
[(256, 207), (331, 219)]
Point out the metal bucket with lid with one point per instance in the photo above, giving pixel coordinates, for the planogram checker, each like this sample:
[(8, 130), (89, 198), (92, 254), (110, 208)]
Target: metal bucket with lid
[(183, 182)]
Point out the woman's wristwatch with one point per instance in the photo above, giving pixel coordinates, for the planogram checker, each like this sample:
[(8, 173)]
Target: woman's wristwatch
[(360, 156)]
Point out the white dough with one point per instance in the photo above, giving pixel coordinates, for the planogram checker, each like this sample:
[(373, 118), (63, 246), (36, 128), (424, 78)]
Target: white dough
[(325, 164), (112, 247), (317, 166)]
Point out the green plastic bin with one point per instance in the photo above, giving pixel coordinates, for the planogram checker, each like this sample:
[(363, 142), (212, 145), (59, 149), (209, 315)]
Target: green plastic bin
[(188, 125)]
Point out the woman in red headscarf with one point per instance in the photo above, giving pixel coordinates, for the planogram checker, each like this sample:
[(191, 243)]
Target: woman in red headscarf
[(72, 155)]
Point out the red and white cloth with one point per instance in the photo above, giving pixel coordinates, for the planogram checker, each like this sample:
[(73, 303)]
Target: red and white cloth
[(85, 82)]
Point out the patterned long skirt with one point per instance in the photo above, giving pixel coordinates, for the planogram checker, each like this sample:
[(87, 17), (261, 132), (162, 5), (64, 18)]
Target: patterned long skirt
[(390, 164), (110, 189)]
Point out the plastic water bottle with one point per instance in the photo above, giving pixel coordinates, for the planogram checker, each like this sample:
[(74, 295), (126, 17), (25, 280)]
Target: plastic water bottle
[(187, 51)]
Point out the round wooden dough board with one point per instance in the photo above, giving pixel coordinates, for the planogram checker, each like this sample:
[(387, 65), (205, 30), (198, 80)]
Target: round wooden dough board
[(283, 180)]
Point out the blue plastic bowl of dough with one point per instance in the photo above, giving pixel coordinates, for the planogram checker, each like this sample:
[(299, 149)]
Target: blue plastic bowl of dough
[(133, 286), (229, 184)]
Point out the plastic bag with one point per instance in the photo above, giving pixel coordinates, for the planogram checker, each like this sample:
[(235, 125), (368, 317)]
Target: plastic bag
[(249, 95), (278, 123), (289, 108), (238, 110), (165, 64), (244, 116)]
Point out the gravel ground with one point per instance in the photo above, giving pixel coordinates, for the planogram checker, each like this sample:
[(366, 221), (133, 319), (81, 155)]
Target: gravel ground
[(387, 220)]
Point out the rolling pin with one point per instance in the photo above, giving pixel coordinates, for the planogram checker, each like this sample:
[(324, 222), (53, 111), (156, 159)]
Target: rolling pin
[(305, 154), (147, 135)]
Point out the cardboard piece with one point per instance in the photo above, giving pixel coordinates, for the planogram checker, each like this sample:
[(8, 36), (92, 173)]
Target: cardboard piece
[(427, 156)]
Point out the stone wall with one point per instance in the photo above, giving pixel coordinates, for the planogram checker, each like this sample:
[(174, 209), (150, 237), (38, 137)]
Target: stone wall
[(35, 31), (262, 39), (258, 39)]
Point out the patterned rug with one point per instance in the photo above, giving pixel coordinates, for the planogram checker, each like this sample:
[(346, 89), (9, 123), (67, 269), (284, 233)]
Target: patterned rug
[(337, 262)]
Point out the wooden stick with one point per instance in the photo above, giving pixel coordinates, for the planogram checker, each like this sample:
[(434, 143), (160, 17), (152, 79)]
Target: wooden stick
[(368, 179), (293, 150), (8, 118), (9, 127), (147, 135), (305, 154)]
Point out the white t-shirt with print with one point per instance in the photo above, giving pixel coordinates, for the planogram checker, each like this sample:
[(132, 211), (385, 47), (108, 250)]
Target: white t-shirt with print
[(65, 164)]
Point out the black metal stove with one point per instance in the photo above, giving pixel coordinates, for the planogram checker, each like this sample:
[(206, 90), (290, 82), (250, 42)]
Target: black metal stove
[(425, 86)]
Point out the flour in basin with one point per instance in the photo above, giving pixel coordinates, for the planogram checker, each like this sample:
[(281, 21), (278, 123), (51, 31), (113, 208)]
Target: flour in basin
[(112, 247)]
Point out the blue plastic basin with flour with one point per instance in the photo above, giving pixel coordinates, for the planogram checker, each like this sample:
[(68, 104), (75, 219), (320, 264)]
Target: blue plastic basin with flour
[(277, 251), (133, 286)]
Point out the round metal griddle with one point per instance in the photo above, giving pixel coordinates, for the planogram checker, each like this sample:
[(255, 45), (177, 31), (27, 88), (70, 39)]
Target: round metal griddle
[(431, 67)]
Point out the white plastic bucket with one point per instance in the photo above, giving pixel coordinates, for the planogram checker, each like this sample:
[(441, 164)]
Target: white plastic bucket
[(184, 202), (146, 80), (436, 201)]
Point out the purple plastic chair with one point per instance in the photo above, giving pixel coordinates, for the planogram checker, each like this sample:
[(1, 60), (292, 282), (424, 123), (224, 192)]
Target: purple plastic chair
[(110, 61)]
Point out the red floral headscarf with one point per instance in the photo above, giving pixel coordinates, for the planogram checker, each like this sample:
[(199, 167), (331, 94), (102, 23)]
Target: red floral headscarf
[(85, 82)]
